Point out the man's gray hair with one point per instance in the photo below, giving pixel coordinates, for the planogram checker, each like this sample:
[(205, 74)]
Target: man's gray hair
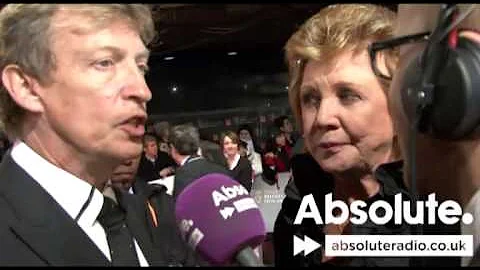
[(185, 139)]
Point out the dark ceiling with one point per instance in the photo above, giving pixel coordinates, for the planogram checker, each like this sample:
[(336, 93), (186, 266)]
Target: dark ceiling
[(226, 27), (200, 36)]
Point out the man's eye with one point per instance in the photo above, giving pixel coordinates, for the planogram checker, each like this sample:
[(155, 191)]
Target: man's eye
[(144, 68), (102, 64)]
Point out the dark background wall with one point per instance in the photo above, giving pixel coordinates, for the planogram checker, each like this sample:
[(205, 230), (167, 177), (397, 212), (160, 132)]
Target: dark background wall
[(214, 80)]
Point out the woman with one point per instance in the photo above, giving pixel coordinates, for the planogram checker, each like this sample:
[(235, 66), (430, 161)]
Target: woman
[(240, 166), (342, 109), (278, 152), (245, 134), (252, 150)]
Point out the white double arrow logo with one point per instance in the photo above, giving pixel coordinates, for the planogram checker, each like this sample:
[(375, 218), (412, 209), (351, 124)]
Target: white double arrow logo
[(308, 245), (227, 212)]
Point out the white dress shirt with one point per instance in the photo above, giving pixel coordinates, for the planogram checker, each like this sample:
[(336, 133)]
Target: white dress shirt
[(70, 192), (184, 160)]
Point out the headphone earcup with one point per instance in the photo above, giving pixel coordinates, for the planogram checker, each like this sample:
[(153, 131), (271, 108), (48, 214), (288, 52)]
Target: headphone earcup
[(455, 110)]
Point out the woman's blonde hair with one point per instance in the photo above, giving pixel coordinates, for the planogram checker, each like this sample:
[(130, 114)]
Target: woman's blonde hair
[(333, 30)]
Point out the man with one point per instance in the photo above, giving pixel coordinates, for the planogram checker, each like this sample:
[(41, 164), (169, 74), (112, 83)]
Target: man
[(445, 166), (160, 209), (161, 130), (73, 96), (154, 164), (211, 150), (184, 143), (124, 177)]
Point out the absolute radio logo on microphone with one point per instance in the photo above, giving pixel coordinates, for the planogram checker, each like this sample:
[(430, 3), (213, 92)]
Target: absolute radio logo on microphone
[(230, 194)]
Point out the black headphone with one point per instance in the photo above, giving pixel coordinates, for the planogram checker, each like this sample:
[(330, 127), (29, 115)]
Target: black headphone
[(441, 86)]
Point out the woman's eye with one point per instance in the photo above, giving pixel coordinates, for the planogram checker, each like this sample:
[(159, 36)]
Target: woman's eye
[(347, 95), (311, 100)]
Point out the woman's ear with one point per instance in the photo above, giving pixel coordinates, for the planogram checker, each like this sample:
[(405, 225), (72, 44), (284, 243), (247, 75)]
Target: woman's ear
[(22, 88)]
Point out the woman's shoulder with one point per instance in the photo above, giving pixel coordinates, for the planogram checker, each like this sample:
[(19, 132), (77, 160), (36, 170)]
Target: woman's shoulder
[(243, 160)]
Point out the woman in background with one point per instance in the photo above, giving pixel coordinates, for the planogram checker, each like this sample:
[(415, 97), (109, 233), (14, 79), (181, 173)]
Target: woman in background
[(240, 166), (252, 150)]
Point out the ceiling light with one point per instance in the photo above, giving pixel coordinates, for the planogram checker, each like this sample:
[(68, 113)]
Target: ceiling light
[(169, 58), (174, 89), (232, 53)]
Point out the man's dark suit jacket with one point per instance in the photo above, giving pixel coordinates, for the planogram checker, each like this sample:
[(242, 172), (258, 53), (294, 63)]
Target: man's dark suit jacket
[(194, 168), (36, 231), (149, 171), (164, 226)]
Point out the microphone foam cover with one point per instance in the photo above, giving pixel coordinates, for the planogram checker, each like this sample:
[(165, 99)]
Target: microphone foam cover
[(217, 217)]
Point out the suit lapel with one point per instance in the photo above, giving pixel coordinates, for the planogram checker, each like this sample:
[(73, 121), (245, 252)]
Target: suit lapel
[(42, 224), (139, 227)]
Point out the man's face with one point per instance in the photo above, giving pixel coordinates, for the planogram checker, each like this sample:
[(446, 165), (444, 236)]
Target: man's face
[(413, 19), (151, 149), (123, 176), (97, 102)]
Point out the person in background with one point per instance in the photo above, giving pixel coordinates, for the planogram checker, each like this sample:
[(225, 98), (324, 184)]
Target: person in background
[(278, 152), (185, 142), (242, 148), (163, 147), (160, 209), (245, 134), (252, 150), (73, 97), (154, 164), (341, 108), (240, 167), (124, 176), (216, 138), (149, 128), (211, 150), (161, 130), (447, 167), (285, 126)]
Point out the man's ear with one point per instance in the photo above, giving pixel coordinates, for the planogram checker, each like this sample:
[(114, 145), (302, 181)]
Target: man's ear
[(22, 88)]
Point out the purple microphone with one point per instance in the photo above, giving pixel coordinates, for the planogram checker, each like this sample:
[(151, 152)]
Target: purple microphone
[(219, 220)]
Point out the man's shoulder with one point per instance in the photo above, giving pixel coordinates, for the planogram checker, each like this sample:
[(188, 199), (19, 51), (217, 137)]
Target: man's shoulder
[(203, 165)]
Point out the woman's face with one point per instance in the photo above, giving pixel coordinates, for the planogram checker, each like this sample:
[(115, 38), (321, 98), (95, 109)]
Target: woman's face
[(229, 147), (280, 139), (346, 122), (244, 135)]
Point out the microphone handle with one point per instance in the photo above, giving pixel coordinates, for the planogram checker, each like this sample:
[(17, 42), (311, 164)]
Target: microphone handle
[(247, 257)]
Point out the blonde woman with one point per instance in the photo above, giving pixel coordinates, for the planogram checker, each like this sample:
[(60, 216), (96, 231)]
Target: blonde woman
[(342, 111)]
